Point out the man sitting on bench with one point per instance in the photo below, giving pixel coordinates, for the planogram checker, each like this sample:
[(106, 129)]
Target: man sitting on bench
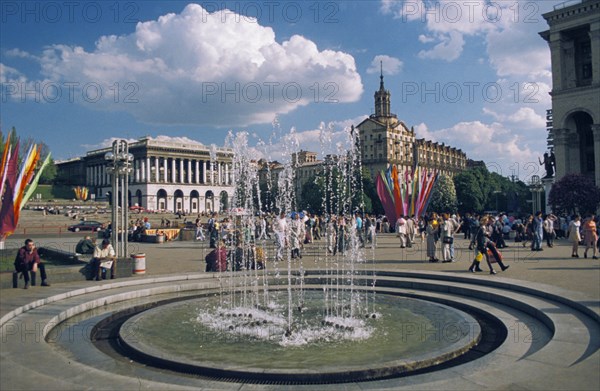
[(104, 257)]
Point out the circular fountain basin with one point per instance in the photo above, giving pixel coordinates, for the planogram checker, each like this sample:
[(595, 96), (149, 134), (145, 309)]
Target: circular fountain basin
[(404, 335)]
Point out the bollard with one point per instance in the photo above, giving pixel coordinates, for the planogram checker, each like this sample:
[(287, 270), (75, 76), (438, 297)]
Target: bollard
[(139, 263)]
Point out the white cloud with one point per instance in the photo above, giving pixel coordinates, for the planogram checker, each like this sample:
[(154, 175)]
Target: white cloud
[(206, 69), (524, 118), (449, 48), (324, 139), (20, 54), (10, 75), (405, 10), (426, 39), (390, 65), (506, 150)]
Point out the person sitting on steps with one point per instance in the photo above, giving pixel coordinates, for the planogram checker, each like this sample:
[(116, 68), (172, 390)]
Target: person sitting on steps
[(103, 253), (28, 261)]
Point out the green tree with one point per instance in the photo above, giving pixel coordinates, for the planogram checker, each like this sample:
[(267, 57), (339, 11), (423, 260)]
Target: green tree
[(574, 193), (49, 174), (469, 193), (372, 203), (443, 196), (312, 195)]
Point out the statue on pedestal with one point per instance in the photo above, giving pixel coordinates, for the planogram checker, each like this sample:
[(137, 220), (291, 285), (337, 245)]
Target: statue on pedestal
[(549, 164)]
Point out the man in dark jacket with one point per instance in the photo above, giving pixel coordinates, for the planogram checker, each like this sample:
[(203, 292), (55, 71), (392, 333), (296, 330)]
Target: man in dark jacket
[(28, 260), (85, 246)]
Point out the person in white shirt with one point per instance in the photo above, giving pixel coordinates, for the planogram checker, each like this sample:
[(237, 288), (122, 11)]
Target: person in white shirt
[(401, 231), (104, 255), (574, 234), (281, 231)]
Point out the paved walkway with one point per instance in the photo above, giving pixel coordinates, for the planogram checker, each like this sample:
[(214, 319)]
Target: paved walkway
[(553, 267)]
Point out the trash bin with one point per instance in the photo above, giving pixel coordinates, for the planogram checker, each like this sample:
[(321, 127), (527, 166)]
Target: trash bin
[(139, 263), (160, 238)]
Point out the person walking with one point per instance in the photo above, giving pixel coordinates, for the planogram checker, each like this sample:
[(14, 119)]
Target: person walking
[(281, 233), (574, 234), (538, 232), (590, 235), (549, 231), (431, 232), (447, 238), (401, 231), (484, 244)]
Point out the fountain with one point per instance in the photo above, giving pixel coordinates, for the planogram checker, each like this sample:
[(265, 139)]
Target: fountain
[(276, 323)]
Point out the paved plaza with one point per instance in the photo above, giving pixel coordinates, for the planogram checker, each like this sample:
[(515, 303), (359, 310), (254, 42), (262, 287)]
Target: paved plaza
[(570, 359)]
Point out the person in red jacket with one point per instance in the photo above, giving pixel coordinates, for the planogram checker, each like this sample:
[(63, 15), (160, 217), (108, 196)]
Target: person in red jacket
[(216, 260), (28, 260)]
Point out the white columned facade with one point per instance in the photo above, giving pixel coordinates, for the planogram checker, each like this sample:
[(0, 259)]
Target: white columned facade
[(148, 177), (156, 169), (165, 168), (189, 171), (173, 171), (204, 171), (142, 170), (136, 169), (180, 170), (197, 172)]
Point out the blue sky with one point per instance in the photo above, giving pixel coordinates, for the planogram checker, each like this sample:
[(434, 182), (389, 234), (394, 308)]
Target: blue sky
[(472, 74)]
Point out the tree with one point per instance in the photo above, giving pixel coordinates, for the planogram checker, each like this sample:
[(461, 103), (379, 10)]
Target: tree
[(443, 196), (49, 174), (574, 193), (312, 195), (372, 203), (469, 193)]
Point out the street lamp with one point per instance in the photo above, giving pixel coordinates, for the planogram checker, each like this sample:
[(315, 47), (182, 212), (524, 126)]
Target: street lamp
[(536, 187), (120, 163)]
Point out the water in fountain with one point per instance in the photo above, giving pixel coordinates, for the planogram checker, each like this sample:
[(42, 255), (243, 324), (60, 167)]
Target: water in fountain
[(246, 302)]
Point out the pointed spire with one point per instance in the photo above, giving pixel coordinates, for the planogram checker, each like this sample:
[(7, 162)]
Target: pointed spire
[(381, 88)]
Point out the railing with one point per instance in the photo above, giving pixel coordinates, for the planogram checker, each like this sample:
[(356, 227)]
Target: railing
[(44, 229)]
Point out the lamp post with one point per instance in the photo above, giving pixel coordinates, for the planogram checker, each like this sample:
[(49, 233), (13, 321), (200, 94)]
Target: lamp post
[(119, 168)]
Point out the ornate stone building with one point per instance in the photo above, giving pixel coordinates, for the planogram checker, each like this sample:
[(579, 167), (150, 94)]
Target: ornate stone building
[(574, 40), (166, 176), (385, 140)]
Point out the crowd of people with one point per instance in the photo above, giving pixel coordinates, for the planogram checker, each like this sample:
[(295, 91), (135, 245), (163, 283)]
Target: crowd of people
[(237, 244), (487, 234)]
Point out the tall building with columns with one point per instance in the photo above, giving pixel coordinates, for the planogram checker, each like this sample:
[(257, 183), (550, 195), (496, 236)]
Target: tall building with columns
[(166, 175), (574, 40), (385, 140)]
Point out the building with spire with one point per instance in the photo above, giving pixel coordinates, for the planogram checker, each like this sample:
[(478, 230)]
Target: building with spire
[(385, 140)]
